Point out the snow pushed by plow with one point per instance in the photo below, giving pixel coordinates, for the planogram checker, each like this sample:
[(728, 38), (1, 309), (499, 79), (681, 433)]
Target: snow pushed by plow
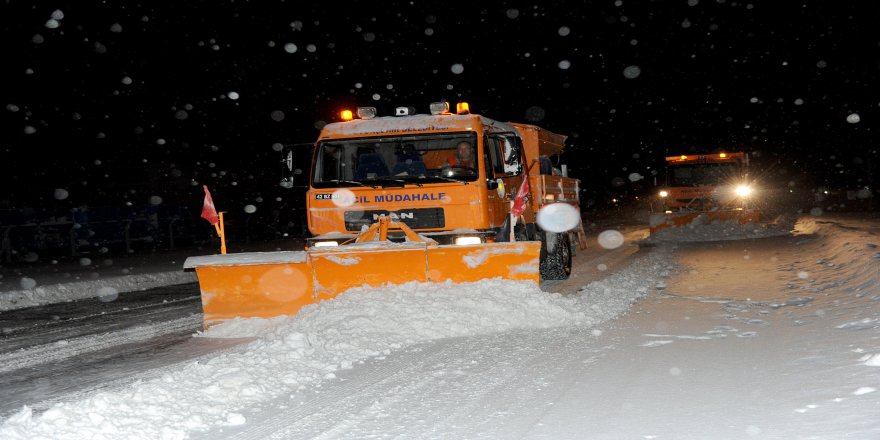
[(298, 353), (702, 229)]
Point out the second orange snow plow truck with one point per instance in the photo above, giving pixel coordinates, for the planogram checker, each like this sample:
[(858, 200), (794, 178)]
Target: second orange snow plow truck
[(411, 197), (705, 188)]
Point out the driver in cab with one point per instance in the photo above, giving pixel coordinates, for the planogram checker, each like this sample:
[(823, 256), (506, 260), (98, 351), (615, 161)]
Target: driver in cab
[(463, 159)]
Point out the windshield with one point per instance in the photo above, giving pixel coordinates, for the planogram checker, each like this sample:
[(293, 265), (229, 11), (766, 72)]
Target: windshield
[(397, 159), (703, 174)]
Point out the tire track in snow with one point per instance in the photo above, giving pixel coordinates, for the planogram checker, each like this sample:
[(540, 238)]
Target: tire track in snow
[(456, 387), (84, 325), (327, 405), (55, 351)]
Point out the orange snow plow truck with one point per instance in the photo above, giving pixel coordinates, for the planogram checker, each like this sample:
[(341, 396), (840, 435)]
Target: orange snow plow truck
[(705, 188), (411, 197)]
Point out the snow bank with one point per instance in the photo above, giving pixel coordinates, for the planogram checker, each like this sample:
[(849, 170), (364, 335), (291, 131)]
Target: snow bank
[(841, 270), (63, 292), (723, 230)]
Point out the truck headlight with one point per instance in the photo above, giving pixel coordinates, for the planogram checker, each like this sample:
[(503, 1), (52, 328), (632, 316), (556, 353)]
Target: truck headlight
[(743, 190), (664, 194), (462, 241), (325, 243)]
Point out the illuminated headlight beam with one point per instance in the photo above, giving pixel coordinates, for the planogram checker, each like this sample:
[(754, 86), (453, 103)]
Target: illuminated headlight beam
[(743, 190)]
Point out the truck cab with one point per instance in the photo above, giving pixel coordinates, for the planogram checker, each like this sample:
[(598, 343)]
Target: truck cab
[(706, 182), (452, 178)]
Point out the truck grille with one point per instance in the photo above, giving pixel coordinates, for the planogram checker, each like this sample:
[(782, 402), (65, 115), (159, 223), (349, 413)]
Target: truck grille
[(424, 218)]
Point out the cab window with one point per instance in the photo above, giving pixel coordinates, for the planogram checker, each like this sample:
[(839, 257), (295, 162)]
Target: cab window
[(503, 152)]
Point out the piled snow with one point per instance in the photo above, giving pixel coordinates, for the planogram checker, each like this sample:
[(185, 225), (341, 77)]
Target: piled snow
[(61, 292), (376, 320), (721, 230)]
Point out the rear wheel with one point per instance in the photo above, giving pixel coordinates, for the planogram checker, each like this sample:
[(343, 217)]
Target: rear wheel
[(555, 256)]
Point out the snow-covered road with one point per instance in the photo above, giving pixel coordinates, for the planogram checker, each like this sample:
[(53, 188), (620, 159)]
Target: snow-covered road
[(755, 338)]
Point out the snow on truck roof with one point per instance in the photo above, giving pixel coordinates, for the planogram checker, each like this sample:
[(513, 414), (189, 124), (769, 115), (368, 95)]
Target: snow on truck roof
[(548, 143), (411, 124)]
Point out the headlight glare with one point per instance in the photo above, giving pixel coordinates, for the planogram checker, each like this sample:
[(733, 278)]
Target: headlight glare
[(743, 191)]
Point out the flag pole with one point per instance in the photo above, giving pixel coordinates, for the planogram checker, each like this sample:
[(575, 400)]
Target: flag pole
[(512, 223), (209, 213), (221, 231)]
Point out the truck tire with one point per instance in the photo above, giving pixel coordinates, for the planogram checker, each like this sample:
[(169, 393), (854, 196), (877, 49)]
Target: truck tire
[(555, 256)]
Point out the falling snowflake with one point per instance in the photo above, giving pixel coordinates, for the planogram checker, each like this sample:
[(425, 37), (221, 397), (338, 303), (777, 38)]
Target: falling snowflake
[(632, 72)]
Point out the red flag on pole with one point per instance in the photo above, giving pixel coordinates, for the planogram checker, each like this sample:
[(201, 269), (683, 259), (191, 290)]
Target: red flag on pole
[(209, 212), (519, 203)]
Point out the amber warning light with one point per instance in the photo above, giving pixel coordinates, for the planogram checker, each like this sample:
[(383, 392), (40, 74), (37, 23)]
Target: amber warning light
[(346, 115)]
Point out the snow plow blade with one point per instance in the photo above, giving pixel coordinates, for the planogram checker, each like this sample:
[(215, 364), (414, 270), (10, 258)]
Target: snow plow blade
[(661, 221), (513, 261), (252, 285), (269, 284)]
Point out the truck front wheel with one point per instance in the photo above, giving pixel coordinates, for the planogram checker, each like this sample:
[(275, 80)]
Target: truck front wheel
[(555, 256)]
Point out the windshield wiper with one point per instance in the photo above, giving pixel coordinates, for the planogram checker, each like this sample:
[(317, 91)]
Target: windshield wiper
[(389, 181), (347, 182), (446, 179)]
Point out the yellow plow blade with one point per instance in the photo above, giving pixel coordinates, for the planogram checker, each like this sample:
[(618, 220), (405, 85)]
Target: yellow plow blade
[(250, 285), (674, 220), (269, 284), (339, 269), (513, 261)]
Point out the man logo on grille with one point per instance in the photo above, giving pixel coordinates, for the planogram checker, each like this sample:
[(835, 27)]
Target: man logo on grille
[(396, 216)]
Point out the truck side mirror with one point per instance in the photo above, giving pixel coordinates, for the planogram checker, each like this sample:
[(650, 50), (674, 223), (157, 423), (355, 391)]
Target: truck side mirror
[(288, 173)]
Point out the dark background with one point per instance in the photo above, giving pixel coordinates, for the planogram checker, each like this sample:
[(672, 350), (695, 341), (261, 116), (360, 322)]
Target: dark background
[(138, 104)]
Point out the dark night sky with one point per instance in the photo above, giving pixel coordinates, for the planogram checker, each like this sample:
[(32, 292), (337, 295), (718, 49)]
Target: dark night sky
[(122, 101)]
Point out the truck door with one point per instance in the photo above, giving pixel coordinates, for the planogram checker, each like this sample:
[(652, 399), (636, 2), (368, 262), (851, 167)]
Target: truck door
[(504, 167)]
